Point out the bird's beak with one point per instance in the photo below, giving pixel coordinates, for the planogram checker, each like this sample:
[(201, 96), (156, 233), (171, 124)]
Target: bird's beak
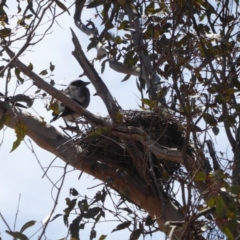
[(86, 83)]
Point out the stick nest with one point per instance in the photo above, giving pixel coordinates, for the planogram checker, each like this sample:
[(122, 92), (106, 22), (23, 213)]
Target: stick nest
[(131, 155)]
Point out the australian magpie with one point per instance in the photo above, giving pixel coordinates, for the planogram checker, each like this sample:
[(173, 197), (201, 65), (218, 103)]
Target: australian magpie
[(78, 91)]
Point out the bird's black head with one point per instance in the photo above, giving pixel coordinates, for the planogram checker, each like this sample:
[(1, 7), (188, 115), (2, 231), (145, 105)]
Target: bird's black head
[(78, 83)]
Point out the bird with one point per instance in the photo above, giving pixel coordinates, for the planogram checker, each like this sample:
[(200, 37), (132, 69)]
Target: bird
[(77, 91)]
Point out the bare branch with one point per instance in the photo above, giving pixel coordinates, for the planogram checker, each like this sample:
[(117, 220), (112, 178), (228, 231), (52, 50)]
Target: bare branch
[(150, 77), (212, 153), (91, 32), (111, 104), (101, 51), (120, 67), (96, 120)]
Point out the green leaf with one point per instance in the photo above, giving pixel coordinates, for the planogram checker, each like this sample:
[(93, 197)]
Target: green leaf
[(149, 221), (200, 176), (211, 202), (209, 119), (93, 234), (118, 40), (103, 66), (52, 67), (228, 232), (122, 226), (71, 204), (202, 17), (28, 16), (73, 192), (5, 32), (126, 77), (97, 197), (103, 237), (94, 4), (215, 130), (135, 234), (27, 225), (62, 6), (163, 92), (3, 16), (18, 235), (104, 194), (128, 210), (122, 2), (119, 116), (100, 131), (230, 91), (43, 72), (234, 189), (17, 73), (128, 36), (30, 66), (21, 131), (130, 58), (54, 107), (4, 120), (93, 43), (150, 8), (19, 8), (220, 99), (55, 217), (92, 212), (2, 67), (168, 69), (220, 206), (123, 25), (149, 102), (236, 106), (83, 205), (218, 175)]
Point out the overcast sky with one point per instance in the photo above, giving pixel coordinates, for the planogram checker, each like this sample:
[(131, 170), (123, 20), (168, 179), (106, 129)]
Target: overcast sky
[(20, 173)]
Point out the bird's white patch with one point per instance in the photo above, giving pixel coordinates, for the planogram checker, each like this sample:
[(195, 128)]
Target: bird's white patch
[(61, 107), (72, 117), (75, 93)]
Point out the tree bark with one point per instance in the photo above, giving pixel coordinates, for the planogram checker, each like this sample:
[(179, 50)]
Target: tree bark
[(128, 184)]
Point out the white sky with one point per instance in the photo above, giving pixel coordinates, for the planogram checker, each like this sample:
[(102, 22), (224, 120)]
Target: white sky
[(20, 172)]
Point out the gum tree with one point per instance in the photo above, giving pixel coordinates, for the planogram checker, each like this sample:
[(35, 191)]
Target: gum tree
[(184, 58)]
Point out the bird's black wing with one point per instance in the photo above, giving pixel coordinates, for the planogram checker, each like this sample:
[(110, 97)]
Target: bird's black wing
[(67, 111), (56, 116)]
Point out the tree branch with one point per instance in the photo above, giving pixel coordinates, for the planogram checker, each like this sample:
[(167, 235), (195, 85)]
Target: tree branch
[(150, 77), (111, 104), (93, 119), (120, 67), (48, 138), (101, 51), (161, 152)]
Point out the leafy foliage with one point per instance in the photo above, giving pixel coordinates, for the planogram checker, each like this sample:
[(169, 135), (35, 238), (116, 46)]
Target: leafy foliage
[(21, 131)]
